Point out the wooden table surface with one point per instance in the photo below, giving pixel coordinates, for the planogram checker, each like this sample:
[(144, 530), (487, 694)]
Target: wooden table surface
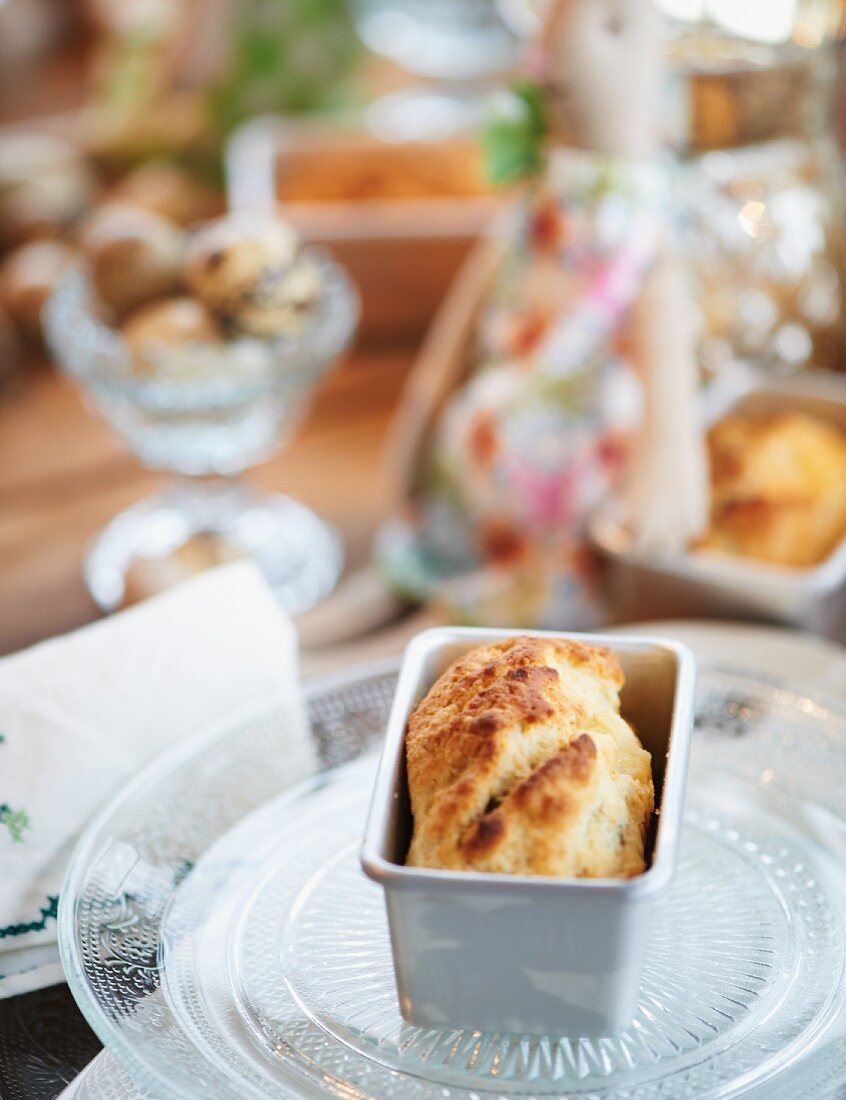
[(63, 476)]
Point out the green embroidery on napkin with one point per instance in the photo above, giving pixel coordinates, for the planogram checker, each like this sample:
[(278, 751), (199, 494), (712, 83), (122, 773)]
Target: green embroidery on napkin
[(16, 821), (48, 912)]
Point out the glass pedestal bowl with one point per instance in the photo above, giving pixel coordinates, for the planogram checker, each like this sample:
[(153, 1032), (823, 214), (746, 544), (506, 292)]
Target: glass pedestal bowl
[(227, 407)]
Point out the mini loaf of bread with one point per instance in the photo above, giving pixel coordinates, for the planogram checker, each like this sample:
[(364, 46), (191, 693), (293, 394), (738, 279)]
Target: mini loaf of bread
[(520, 762), (778, 488)]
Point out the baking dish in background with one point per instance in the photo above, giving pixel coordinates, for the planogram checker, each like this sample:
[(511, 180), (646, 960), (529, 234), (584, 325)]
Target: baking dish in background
[(645, 585), (519, 953), (399, 216)]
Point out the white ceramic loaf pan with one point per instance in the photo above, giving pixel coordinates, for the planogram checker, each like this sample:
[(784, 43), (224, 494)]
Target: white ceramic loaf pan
[(646, 585), (519, 953)]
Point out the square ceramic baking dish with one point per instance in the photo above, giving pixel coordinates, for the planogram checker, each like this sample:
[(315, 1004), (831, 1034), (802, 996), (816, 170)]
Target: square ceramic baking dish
[(645, 585), (402, 252), (520, 953)]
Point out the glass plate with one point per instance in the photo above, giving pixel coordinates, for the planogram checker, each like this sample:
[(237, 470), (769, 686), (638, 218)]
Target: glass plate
[(222, 941)]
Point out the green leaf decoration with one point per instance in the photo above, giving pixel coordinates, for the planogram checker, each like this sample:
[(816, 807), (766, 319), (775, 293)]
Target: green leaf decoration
[(513, 134), (16, 821), (285, 56)]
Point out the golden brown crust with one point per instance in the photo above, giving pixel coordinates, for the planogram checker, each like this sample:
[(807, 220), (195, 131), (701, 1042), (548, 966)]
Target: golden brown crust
[(519, 761), (778, 488)]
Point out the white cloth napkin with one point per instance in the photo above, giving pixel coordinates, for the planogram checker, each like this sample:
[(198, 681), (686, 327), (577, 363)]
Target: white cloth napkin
[(79, 715)]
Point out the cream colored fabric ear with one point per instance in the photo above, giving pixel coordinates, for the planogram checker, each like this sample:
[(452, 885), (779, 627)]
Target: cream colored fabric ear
[(666, 496), (601, 74)]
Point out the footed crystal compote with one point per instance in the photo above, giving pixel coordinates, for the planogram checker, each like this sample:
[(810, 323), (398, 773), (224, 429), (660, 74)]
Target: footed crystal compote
[(206, 413)]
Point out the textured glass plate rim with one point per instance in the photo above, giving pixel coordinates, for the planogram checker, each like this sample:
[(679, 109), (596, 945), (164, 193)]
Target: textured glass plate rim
[(447, 1081), (148, 778), (91, 840)]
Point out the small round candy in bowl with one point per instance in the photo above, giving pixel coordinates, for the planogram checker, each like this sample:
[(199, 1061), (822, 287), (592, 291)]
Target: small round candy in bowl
[(204, 380)]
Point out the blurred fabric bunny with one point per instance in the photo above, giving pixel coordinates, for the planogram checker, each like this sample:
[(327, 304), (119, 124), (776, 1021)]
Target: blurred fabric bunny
[(562, 362)]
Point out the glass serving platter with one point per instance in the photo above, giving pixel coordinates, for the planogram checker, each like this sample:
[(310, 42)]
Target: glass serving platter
[(221, 939)]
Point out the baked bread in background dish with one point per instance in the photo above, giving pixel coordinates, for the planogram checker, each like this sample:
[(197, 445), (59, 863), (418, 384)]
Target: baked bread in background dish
[(519, 762), (778, 488)]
